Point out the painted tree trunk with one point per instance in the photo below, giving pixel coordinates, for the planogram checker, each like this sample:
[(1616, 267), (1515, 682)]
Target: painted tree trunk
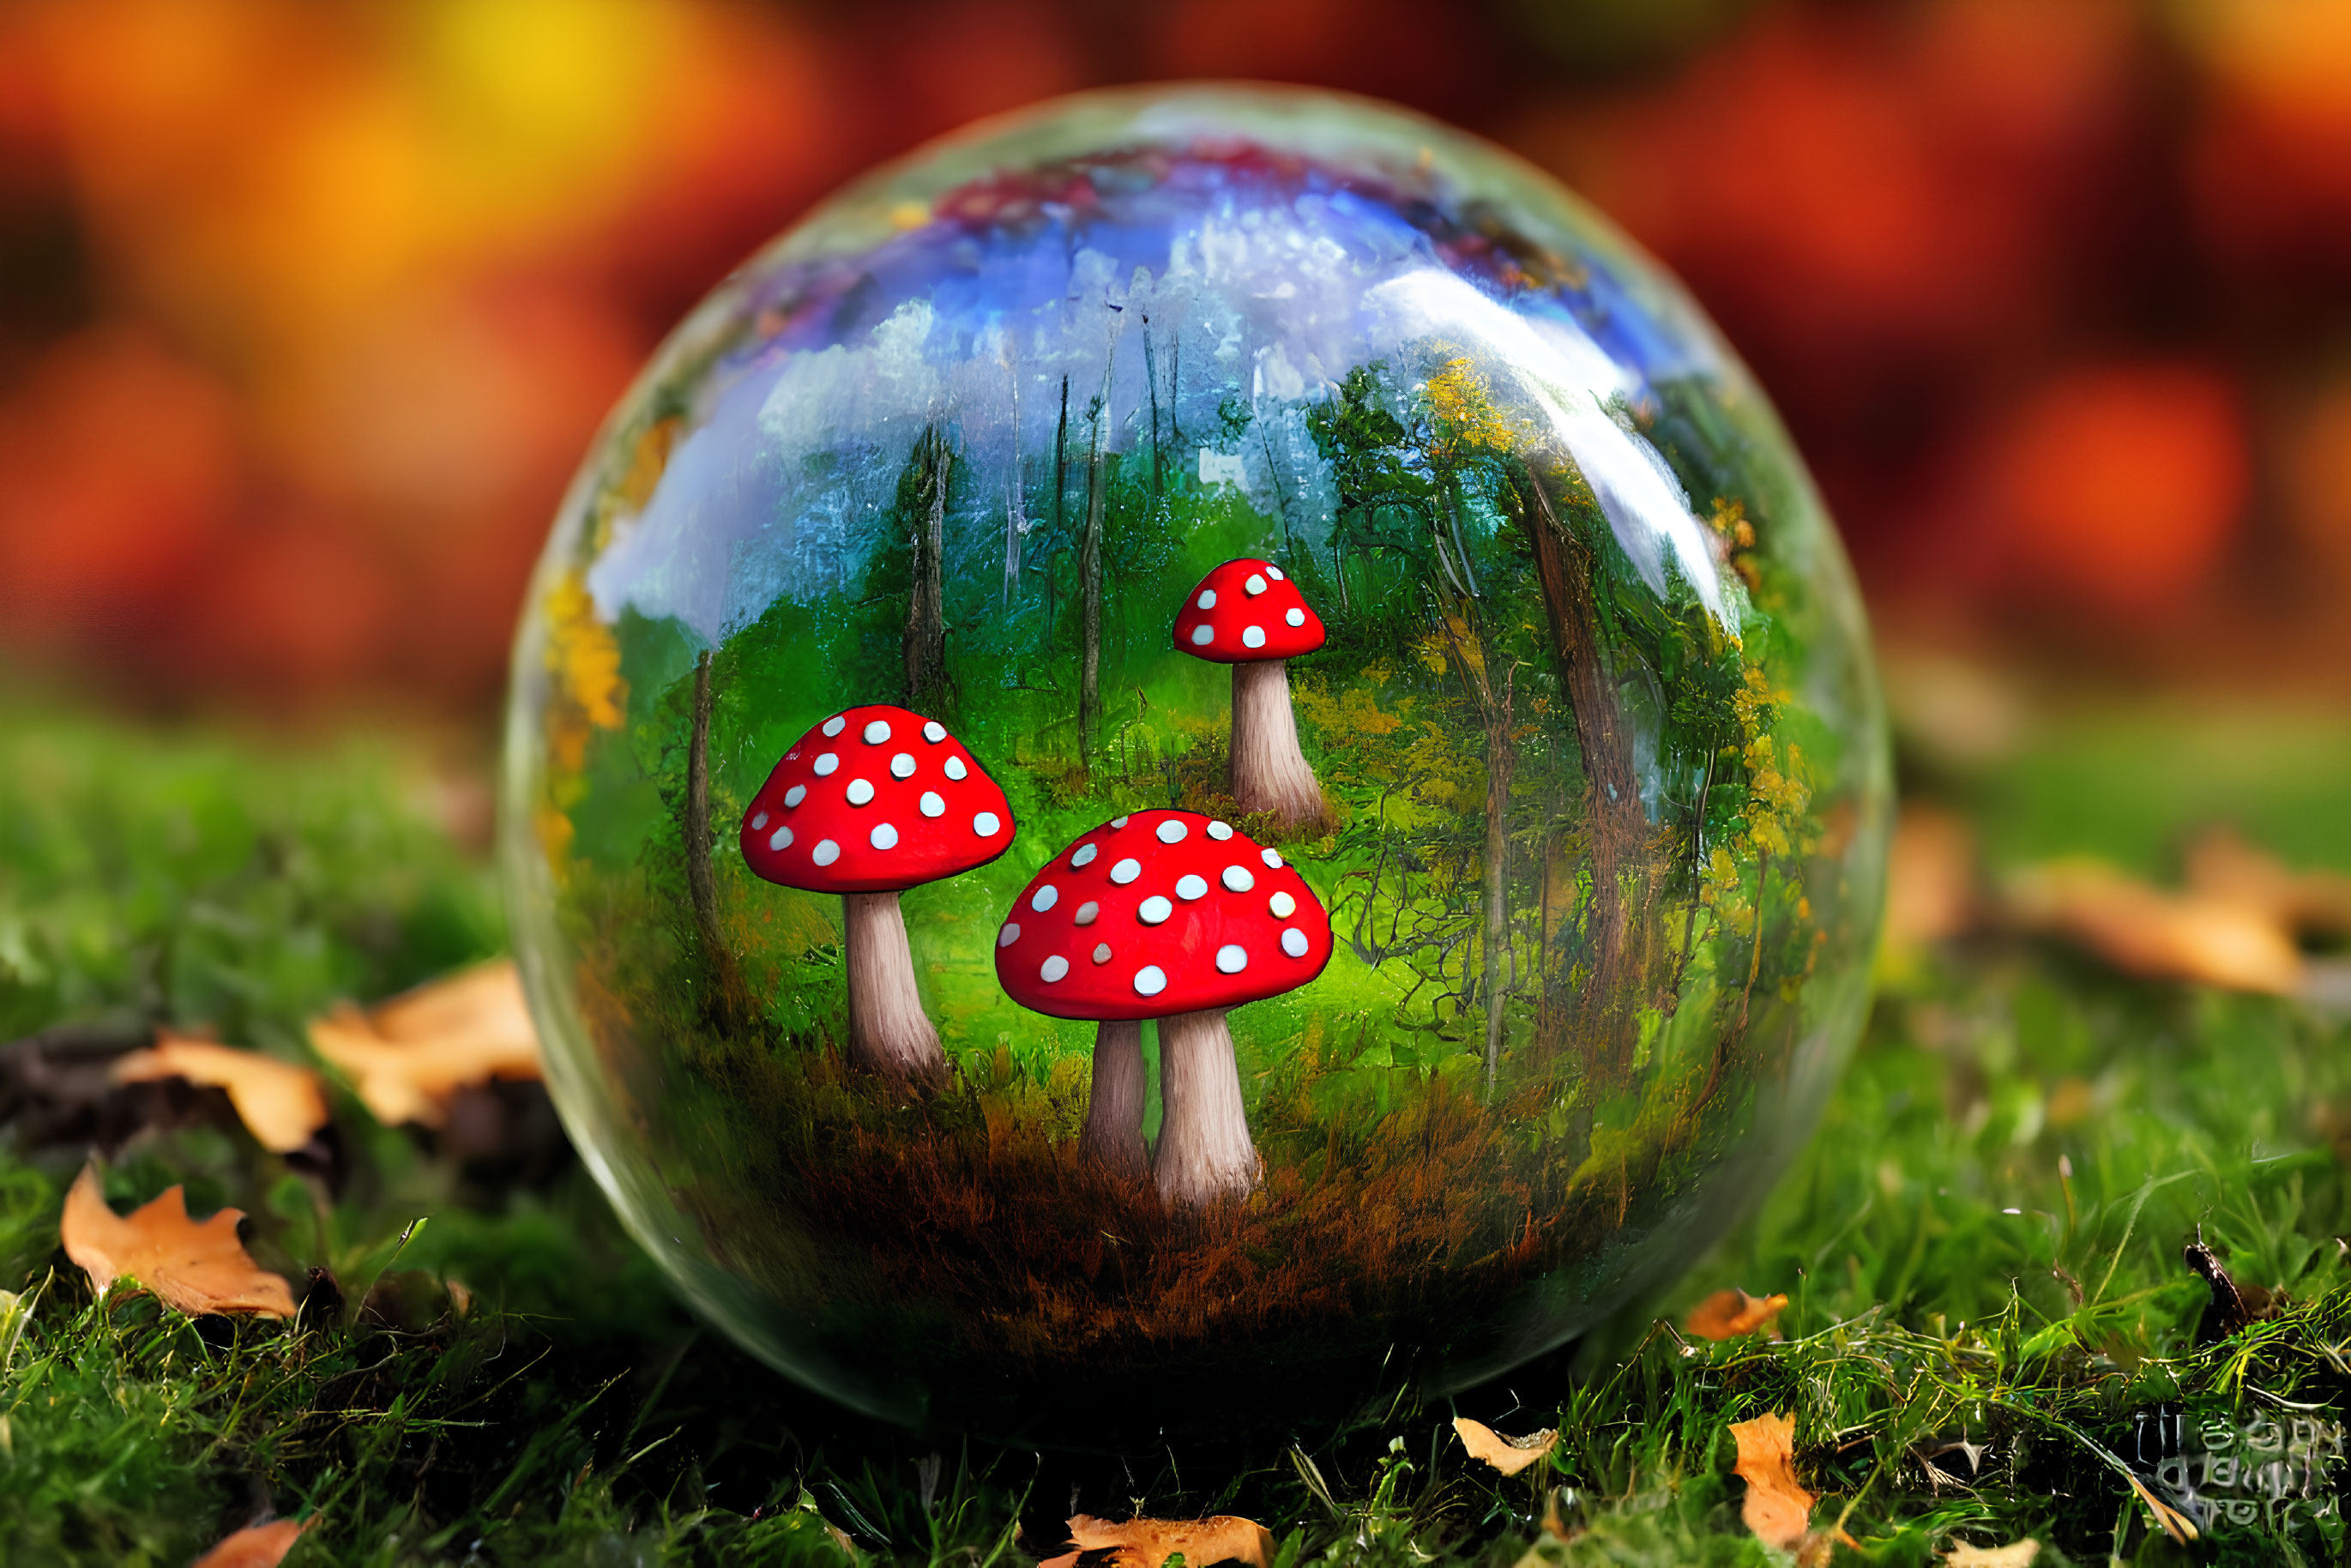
[(888, 1030), (926, 633), (1269, 772), (1618, 825), (1501, 756), (1205, 1153), (1089, 607), (701, 885), (1113, 1131)]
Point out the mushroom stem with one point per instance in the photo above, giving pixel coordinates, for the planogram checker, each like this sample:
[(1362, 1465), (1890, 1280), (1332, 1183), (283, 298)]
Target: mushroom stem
[(1205, 1153), (1113, 1133), (1269, 772), (888, 1029)]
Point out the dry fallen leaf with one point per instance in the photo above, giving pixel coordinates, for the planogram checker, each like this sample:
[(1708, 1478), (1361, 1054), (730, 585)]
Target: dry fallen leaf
[(1508, 1455), (197, 1268), (1776, 1508), (408, 1056), (2143, 930), (2176, 1524), (280, 1102), (257, 1545), (1727, 1314), (2016, 1554), (1930, 879), (1148, 1543), (2224, 867)]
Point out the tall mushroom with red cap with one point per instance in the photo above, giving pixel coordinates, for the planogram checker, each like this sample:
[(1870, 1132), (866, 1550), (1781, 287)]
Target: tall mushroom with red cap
[(869, 803), (1247, 614), (1176, 916)]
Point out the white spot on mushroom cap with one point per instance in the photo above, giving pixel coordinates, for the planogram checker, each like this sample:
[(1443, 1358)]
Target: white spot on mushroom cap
[(1207, 599), (1154, 911), (1045, 898), (1084, 854), (955, 770), (1272, 858), (1237, 878), (1231, 958), (932, 805), (1203, 634), (1283, 905), (1253, 637), (1125, 871), (1009, 935), (935, 732), (1102, 952), (826, 764), (877, 731), (985, 824), (1221, 832), (1189, 887), (882, 837), (1052, 969), (859, 791), (1150, 980), (1274, 572), (759, 821), (825, 853), (1088, 912), (1255, 585), (1118, 822), (1293, 942), (795, 795), (1172, 831), (834, 724), (1295, 616), (781, 838), (902, 765)]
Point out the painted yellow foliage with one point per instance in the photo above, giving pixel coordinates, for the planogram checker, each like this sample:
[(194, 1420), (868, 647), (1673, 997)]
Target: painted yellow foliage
[(1464, 413), (581, 653)]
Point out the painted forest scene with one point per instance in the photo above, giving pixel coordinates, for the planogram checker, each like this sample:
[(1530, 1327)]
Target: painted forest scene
[(1446, 593)]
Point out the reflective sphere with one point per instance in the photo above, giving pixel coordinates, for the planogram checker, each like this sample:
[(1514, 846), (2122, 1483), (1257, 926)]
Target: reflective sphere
[(1199, 735)]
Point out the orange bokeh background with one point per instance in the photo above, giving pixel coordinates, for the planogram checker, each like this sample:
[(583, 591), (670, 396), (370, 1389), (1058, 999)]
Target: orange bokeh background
[(307, 310)]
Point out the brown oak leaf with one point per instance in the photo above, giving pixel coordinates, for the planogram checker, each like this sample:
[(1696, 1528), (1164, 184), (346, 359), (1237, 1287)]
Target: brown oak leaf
[(408, 1056), (195, 1267), (1776, 1509), (1149, 1542), (281, 1104), (2015, 1554), (1508, 1455), (1727, 1314), (257, 1545)]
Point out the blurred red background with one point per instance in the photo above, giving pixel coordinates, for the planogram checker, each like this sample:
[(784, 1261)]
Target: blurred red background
[(307, 310)]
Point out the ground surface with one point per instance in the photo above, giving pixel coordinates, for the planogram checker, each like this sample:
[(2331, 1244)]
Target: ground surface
[(1980, 1345)]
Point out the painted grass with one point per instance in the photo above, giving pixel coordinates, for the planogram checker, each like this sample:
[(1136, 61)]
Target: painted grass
[(1948, 1282)]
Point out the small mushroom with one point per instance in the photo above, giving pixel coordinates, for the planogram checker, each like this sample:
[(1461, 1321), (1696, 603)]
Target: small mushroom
[(870, 802), (1247, 614), (1176, 916)]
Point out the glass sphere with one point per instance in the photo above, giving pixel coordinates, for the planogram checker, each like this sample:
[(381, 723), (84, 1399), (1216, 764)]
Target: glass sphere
[(1201, 733)]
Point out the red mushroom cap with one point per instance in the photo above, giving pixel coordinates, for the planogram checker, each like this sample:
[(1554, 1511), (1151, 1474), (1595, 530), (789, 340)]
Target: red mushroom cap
[(1160, 913), (874, 800), (1245, 611)]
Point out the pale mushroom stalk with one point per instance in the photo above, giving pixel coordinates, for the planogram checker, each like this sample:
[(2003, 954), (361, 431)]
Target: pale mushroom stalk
[(1269, 772), (888, 1029), (1113, 1130), (1205, 1153)]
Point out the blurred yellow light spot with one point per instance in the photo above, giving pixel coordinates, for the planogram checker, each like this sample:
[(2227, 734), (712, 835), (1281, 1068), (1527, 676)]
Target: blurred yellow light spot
[(909, 215)]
